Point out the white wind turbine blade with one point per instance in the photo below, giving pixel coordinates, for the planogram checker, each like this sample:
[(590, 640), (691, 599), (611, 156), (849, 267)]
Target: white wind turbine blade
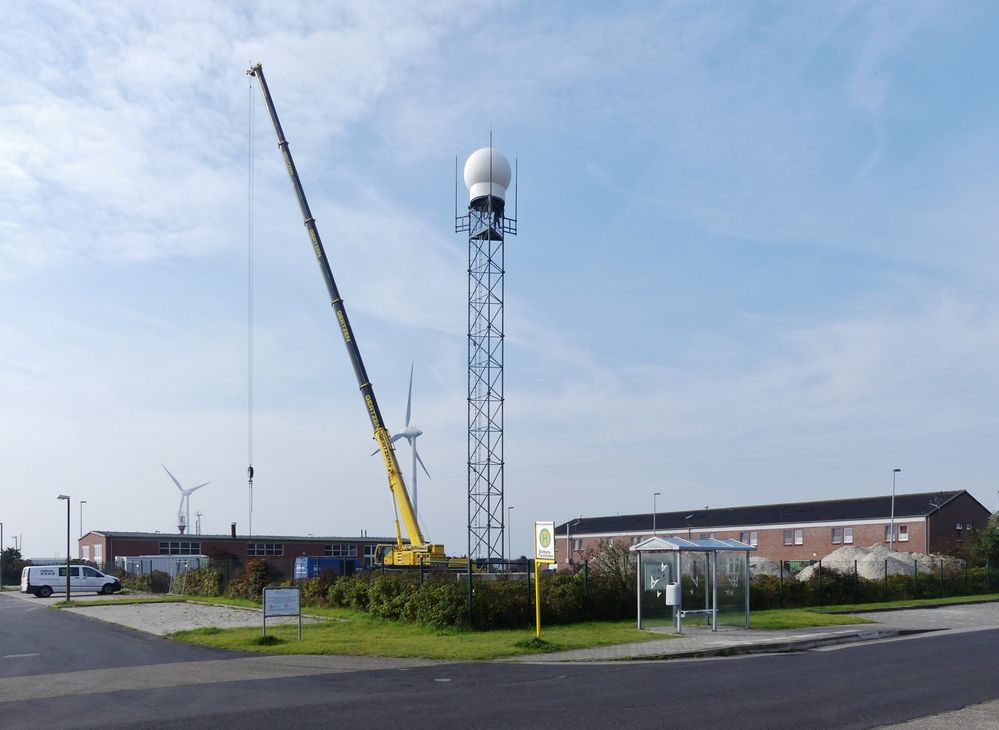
[(172, 477), (420, 460), (396, 438), (194, 489), (409, 398)]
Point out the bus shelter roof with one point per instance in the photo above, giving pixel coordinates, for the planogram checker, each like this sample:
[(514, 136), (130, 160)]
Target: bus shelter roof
[(682, 544)]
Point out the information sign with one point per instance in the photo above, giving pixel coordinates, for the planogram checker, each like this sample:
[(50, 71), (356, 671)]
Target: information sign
[(544, 541)]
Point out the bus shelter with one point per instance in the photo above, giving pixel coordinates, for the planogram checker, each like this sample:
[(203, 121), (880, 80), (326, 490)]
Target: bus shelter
[(702, 582)]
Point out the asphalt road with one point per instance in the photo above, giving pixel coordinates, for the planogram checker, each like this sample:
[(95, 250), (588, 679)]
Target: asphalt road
[(857, 686), (35, 639)]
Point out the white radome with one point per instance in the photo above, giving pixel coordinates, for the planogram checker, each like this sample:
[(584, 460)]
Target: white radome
[(477, 173)]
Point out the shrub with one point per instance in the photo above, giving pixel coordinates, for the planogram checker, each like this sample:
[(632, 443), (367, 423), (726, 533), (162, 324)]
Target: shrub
[(198, 582), (251, 584)]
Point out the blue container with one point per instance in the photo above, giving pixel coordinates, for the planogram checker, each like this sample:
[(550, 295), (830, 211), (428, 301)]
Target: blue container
[(310, 567)]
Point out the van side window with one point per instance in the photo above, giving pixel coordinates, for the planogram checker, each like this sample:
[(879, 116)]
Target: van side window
[(74, 572), (91, 573)]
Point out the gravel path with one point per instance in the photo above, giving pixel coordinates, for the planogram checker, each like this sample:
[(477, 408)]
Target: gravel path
[(165, 618)]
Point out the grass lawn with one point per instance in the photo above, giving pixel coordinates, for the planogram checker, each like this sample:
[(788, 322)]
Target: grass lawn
[(800, 618), (359, 634)]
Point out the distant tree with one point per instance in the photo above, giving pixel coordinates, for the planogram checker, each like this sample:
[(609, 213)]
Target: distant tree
[(9, 565), (985, 543)]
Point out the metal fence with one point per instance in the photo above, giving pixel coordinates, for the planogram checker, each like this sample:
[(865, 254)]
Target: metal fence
[(822, 582)]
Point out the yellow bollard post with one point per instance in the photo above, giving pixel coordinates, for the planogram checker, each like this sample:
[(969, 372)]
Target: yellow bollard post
[(537, 597)]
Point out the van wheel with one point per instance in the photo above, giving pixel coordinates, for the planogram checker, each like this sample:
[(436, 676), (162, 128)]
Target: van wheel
[(107, 588), (44, 592)]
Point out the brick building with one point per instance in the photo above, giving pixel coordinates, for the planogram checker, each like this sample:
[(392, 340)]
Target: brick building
[(931, 522), (280, 551)]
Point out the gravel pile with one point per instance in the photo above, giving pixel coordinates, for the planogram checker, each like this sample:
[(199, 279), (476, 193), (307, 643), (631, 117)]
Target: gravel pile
[(871, 562)]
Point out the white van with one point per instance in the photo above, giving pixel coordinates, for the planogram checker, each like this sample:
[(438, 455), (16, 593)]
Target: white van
[(44, 580)]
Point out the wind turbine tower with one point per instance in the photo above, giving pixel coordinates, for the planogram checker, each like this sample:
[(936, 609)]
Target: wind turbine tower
[(487, 175)]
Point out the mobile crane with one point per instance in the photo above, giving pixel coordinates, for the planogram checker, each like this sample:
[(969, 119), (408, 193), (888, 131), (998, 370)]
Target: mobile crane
[(418, 551)]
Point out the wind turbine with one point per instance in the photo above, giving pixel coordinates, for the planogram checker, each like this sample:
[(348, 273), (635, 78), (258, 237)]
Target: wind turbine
[(410, 432), (184, 511)]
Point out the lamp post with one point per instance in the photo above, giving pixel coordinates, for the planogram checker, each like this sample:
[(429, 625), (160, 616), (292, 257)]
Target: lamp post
[(891, 528), (654, 495), (82, 502), (66, 497), (1, 556), (509, 537)]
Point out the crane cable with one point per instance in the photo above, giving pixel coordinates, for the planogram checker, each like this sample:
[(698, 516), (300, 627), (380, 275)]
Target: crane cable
[(249, 296)]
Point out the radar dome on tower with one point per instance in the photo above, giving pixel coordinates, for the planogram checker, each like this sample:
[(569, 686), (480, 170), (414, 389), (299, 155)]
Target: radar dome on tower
[(487, 173)]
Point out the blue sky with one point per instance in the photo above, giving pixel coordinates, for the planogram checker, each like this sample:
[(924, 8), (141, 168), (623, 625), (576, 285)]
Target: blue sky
[(757, 257)]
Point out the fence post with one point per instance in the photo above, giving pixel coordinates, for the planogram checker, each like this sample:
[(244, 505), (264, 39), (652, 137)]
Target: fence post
[(941, 580), (530, 592), (886, 580), (856, 580), (915, 575), (780, 591), (988, 577), (965, 576), (421, 572), (469, 588), (820, 583)]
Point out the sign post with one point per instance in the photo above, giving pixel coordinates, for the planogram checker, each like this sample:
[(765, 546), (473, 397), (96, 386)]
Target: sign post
[(544, 553), (283, 602)]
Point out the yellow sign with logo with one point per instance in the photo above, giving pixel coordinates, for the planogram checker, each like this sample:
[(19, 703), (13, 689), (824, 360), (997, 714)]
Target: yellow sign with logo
[(544, 541)]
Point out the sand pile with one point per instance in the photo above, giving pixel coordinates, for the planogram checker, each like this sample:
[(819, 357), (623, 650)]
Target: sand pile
[(871, 562)]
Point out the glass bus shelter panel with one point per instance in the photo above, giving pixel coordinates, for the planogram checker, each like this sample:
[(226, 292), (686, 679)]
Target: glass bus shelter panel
[(696, 589), (732, 589), (658, 570)]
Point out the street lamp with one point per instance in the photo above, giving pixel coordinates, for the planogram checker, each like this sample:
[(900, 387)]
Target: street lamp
[(1, 556), (509, 537), (891, 528), (82, 502), (654, 495), (66, 497)]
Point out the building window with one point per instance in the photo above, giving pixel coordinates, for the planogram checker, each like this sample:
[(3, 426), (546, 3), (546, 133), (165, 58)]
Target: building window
[(848, 535), (750, 538), (960, 535), (98, 553), (369, 556), (903, 533), (340, 551), (85, 552), (635, 540), (799, 537), (837, 536), (789, 537), (577, 544), (264, 549), (172, 548)]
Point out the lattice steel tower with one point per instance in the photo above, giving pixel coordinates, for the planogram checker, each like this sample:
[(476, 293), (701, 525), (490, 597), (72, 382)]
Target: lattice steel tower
[(487, 175)]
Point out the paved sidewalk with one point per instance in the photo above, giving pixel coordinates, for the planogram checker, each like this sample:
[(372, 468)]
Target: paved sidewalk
[(697, 642), (702, 642)]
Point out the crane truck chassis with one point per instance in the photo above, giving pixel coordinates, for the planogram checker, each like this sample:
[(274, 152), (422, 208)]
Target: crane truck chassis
[(418, 551)]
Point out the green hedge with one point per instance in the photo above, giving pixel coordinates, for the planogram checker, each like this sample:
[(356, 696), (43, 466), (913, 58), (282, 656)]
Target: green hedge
[(198, 582)]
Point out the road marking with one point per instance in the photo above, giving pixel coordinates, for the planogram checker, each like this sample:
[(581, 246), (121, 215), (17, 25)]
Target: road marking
[(17, 656)]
